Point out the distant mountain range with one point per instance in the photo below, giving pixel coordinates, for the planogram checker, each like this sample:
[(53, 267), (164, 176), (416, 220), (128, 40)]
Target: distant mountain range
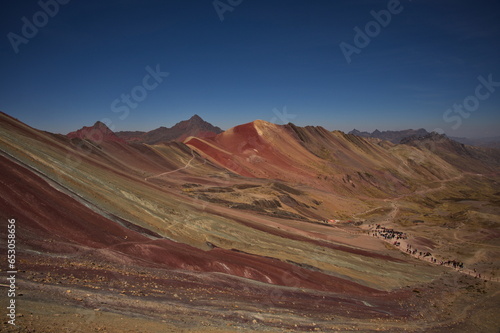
[(392, 136), (195, 126), (463, 156), (489, 142), (261, 149), (400, 136)]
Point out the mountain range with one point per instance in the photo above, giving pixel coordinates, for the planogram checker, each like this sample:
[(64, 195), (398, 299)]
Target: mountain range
[(488, 142), (392, 136), (398, 136), (289, 218), (195, 126)]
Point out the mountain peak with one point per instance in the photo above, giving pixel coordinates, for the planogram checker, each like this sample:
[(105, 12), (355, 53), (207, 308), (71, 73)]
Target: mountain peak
[(196, 118), (99, 124), (102, 126), (99, 132), (194, 126)]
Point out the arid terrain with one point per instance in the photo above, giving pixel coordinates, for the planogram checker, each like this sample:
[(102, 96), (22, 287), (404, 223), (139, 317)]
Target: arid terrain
[(260, 228)]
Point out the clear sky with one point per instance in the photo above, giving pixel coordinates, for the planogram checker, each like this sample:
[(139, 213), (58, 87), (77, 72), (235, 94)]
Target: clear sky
[(275, 60)]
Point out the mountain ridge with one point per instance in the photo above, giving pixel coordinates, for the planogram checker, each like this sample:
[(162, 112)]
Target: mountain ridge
[(194, 126), (332, 159), (392, 136)]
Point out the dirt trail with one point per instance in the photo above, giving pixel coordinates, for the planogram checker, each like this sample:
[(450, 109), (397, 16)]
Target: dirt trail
[(395, 208), (188, 164), (393, 201)]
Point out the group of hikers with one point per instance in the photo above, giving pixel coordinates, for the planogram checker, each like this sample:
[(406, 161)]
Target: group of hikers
[(451, 263), (387, 233), (390, 234)]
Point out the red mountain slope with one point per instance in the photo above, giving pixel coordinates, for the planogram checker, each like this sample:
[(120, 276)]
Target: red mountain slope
[(319, 158)]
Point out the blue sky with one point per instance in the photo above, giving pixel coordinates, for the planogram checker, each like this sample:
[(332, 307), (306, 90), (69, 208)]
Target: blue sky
[(281, 55)]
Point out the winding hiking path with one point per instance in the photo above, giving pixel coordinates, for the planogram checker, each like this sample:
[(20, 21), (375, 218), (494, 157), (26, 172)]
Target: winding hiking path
[(395, 207), (188, 164)]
